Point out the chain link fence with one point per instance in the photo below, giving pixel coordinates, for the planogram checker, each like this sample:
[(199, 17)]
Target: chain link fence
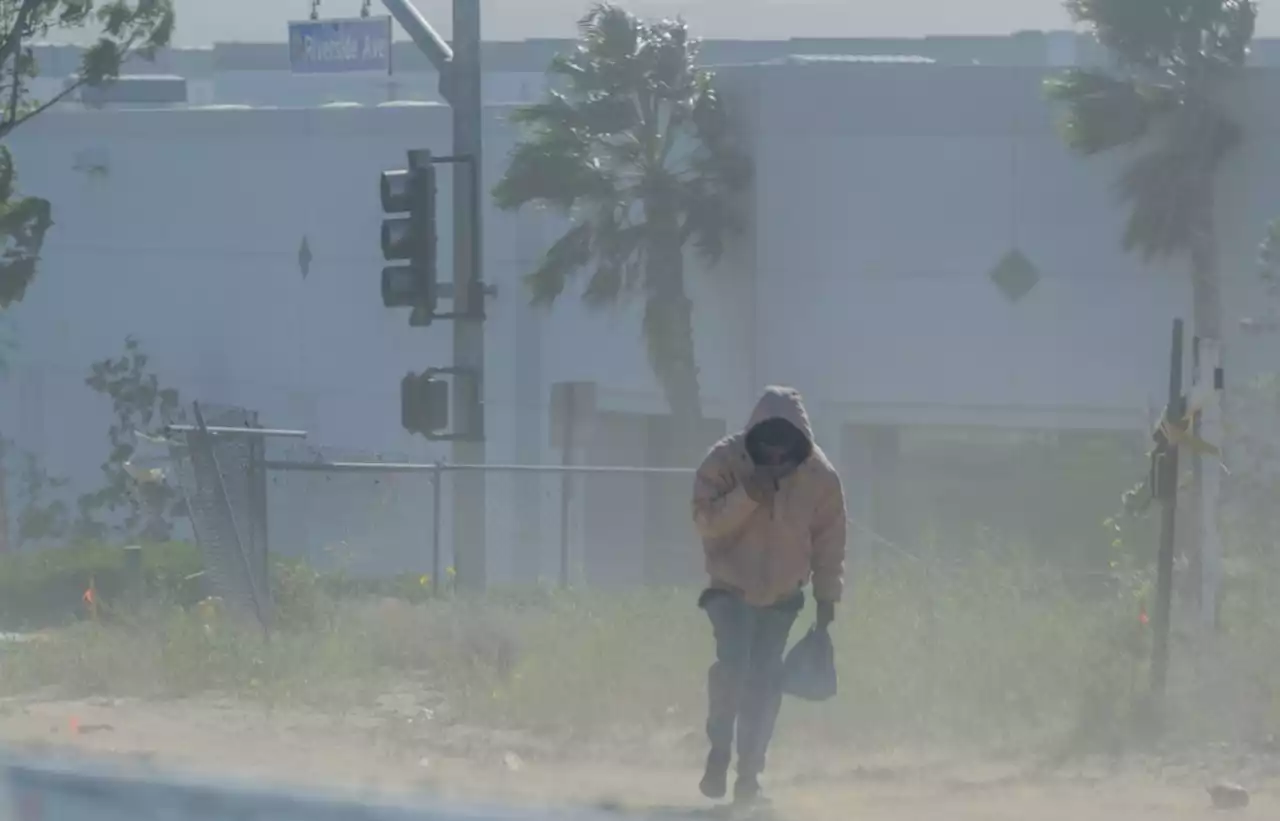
[(254, 492), (926, 608), (218, 468), (343, 511), (595, 525), (382, 516)]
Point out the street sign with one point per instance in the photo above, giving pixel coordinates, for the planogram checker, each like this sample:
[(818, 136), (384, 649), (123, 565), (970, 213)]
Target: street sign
[(340, 46)]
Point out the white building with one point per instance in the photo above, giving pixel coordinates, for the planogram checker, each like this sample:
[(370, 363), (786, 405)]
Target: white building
[(885, 194), (258, 73)]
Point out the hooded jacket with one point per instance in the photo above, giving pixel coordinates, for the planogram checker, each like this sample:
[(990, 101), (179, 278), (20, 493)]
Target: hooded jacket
[(766, 552)]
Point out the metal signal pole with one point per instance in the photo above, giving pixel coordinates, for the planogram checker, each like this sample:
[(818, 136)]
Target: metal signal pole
[(470, 560), (460, 74)]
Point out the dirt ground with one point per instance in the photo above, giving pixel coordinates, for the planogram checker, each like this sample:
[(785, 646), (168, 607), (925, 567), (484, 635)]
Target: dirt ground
[(398, 746)]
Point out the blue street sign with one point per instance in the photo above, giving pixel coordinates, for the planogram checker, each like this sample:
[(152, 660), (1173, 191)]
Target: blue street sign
[(340, 46)]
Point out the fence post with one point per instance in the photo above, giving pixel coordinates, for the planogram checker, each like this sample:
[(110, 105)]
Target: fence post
[(566, 486), (5, 546), (1166, 474), (256, 475), (437, 478), (133, 575)]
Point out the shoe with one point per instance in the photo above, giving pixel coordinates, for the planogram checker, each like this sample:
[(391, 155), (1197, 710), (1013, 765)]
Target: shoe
[(716, 776), (746, 791)]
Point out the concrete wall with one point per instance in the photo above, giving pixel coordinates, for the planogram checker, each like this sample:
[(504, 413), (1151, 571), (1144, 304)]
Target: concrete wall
[(899, 188), (884, 196), (188, 236)]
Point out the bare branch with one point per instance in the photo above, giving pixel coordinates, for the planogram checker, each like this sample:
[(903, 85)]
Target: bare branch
[(20, 31), (15, 93), (13, 121), (7, 127), (11, 53)]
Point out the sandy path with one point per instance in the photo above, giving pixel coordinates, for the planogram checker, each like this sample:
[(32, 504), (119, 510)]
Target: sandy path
[(398, 747)]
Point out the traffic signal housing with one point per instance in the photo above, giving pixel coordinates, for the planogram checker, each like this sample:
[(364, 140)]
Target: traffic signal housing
[(424, 404), (409, 239)]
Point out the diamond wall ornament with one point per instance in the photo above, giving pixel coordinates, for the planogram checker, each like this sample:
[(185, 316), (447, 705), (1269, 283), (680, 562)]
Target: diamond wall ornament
[(304, 257), (1015, 275)]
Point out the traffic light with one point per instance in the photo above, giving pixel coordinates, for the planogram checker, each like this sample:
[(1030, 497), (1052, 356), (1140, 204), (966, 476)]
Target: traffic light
[(424, 404), (409, 239)]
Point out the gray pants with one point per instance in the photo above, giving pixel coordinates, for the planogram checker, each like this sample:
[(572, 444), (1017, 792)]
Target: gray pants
[(744, 685)]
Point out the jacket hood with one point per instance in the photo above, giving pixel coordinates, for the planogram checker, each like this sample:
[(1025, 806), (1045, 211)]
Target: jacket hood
[(781, 403)]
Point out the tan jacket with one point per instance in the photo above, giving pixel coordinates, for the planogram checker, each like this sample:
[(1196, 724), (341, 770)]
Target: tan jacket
[(768, 552)]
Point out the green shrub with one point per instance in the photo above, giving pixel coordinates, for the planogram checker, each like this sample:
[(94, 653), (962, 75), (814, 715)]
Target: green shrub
[(45, 588)]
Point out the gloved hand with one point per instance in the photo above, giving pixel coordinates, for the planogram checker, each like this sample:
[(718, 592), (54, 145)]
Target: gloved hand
[(761, 486), (826, 614)]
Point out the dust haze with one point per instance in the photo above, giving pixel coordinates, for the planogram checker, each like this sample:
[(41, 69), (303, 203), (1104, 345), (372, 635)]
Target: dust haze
[(222, 554), (201, 24)]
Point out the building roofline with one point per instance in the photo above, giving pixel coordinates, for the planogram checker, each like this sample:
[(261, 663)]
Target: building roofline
[(1025, 49), (533, 55)]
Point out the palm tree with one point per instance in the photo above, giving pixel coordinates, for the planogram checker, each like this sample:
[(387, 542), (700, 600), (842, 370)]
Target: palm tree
[(1161, 95), (632, 143)]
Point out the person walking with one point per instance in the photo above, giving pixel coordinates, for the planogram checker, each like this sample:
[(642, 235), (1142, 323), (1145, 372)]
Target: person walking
[(770, 510)]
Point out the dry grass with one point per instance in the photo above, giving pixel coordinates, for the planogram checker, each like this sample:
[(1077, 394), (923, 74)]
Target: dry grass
[(990, 652)]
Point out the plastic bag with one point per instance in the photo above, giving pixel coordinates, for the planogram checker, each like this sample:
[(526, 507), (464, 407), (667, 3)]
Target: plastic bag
[(809, 670)]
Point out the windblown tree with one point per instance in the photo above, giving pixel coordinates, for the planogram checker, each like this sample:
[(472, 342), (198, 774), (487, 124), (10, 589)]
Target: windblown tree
[(124, 28), (632, 143), (1170, 60)]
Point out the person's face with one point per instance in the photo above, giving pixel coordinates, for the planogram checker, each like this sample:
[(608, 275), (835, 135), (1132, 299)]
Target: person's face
[(773, 453), (775, 441)]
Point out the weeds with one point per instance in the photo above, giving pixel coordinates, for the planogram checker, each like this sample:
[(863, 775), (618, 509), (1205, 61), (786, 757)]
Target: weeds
[(989, 651)]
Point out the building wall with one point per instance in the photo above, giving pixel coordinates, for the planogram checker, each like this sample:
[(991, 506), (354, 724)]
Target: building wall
[(188, 236), (900, 188), (884, 195)]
